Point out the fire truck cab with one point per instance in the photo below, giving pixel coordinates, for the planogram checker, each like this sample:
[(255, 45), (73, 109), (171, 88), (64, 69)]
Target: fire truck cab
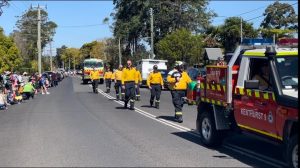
[(256, 92)]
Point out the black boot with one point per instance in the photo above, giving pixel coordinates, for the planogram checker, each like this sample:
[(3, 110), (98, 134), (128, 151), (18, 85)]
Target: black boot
[(157, 104), (131, 105), (118, 97), (125, 105), (179, 119), (151, 103), (108, 90)]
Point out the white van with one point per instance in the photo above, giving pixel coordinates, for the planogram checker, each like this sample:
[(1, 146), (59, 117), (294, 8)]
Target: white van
[(145, 66)]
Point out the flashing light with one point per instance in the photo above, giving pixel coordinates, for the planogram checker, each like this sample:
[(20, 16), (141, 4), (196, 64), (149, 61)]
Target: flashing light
[(257, 41)]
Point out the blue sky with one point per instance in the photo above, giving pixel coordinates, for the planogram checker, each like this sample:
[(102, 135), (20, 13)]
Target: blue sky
[(88, 16)]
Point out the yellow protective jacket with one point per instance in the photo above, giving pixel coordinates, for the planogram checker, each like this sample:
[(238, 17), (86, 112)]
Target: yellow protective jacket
[(108, 75), (138, 76), (182, 84), (128, 75), (117, 75), (155, 78), (94, 75)]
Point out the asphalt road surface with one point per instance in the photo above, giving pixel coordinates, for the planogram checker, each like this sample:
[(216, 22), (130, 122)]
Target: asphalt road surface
[(75, 127)]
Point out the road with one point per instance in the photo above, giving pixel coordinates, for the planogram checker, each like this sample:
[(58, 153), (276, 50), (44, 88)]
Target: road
[(75, 127)]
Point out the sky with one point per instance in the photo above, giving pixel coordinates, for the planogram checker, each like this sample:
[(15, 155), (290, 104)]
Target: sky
[(80, 22)]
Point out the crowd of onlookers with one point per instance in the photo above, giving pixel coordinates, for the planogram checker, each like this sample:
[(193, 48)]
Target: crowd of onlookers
[(17, 87)]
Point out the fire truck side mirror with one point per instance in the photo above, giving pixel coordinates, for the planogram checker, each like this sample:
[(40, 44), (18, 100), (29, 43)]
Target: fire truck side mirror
[(251, 84)]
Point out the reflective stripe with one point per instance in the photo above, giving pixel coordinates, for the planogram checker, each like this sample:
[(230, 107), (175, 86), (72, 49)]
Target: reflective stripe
[(178, 113), (224, 88), (266, 96), (273, 96), (257, 94), (202, 85), (207, 86), (254, 53), (262, 53), (213, 101), (249, 92), (131, 100), (218, 87), (157, 101), (202, 99), (213, 87), (207, 100), (259, 131), (218, 102), (287, 53)]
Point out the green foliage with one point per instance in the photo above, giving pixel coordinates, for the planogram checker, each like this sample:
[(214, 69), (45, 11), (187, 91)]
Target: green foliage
[(86, 49), (9, 54), (27, 32), (280, 16), (230, 32), (180, 45), (132, 19)]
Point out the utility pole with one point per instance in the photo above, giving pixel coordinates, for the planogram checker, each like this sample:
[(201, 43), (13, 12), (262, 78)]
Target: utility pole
[(152, 34), (120, 53), (241, 30), (39, 39), (51, 56)]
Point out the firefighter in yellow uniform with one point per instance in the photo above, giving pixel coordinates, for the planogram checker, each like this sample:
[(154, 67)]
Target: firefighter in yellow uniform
[(107, 78), (117, 77), (129, 83), (95, 76), (155, 83), (137, 90), (178, 80)]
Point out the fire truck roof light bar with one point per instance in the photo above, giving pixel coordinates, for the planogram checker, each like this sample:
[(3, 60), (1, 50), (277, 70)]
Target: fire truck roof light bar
[(257, 41)]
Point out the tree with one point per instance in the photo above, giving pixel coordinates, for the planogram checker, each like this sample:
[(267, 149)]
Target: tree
[(86, 49), (230, 32), (132, 19), (98, 50), (27, 30), (180, 45), (280, 16), (112, 52), (9, 54), (73, 55), (59, 52)]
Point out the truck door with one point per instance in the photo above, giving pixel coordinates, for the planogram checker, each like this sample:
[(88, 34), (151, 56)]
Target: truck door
[(256, 108)]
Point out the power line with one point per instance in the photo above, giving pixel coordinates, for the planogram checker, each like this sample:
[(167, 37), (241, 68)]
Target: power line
[(263, 15), (80, 26)]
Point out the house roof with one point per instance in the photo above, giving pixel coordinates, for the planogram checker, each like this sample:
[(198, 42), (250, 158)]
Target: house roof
[(213, 53)]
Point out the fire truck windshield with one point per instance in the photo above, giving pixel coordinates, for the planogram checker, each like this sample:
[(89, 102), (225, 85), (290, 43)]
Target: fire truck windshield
[(288, 73), (93, 64)]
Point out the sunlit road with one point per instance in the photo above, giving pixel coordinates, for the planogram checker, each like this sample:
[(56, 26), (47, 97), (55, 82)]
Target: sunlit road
[(74, 127)]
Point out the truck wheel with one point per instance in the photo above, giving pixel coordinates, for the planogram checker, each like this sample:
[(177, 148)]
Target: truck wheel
[(208, 133), (292, 152)]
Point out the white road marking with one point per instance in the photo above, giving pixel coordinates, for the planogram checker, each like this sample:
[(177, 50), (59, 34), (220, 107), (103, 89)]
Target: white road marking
[(242, 151)]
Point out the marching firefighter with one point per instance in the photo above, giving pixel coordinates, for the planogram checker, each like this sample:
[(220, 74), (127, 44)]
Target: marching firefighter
[(117, 77), (95, 76), (137, 90), (129, 84), (107, 78), (155, 84), (178, 80)]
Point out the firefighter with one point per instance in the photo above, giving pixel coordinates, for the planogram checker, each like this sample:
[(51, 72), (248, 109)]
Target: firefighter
[(178, 80), (155, 84), (129, 84), (117, 77), (95, 76), (108, 77), (137, 90)]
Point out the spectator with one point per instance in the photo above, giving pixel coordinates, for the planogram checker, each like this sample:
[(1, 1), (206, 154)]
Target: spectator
[(28, 91)]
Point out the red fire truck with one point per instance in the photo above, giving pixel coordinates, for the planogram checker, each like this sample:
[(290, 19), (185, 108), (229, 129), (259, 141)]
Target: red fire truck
[(256, 92)]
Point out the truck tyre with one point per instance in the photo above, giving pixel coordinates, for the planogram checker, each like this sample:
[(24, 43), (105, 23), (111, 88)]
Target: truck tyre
[(101, 81), (207, 129), (292, 152)]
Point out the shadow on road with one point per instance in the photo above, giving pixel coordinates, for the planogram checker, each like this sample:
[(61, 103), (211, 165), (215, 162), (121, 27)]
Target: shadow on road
[(224, 153), (169, 118), (147, 106), (121, 108)]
